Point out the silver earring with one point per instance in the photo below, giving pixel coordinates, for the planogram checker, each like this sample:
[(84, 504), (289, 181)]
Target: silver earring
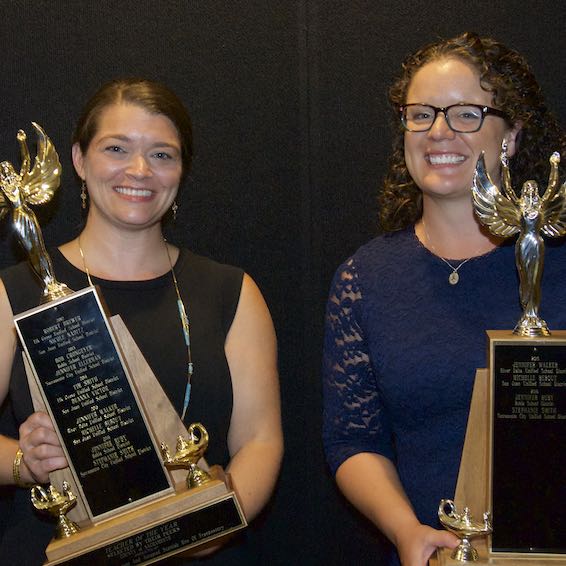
[(84, 195), (504, 158), (174, 209)]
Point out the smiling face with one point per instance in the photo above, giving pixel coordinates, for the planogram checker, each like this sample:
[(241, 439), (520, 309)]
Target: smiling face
[(132, 166), (440, 161)]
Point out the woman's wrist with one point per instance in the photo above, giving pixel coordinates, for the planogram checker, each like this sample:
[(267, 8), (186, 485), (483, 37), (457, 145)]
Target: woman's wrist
[(403, 532)]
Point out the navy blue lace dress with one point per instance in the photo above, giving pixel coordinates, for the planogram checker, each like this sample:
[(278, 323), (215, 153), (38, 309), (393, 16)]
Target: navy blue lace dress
[(401, 349)]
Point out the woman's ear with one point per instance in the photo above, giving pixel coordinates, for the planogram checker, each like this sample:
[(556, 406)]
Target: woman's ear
[(513, 138), (78, 160)]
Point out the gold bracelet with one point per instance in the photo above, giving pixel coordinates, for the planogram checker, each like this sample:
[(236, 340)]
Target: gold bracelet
[(16, 470)]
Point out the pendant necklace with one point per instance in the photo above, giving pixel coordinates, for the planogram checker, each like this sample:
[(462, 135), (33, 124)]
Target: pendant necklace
[(182, 316), (454, 277)]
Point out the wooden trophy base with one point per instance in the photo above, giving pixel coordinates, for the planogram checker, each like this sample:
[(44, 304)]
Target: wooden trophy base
[(153, 532), (150, 532), (442, 558)]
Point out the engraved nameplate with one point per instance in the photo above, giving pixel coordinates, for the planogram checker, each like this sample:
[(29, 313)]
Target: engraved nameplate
[(529, 446), (89, 394)]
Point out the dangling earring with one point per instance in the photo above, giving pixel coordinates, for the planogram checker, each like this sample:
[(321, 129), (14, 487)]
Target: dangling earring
[(174, 209), (84, 195), (505, 173), (503, 157)]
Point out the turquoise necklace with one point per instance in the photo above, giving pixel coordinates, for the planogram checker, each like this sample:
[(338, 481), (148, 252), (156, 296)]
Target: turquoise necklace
[(186, 333), (184, 324)]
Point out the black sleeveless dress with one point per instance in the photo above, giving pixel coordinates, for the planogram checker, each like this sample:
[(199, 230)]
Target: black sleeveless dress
[(210, 292)]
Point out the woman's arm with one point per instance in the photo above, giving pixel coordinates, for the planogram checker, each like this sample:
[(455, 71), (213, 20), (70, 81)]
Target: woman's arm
[(42, 452), (371, 483), (8, 446), (357, 435), (255, 438)]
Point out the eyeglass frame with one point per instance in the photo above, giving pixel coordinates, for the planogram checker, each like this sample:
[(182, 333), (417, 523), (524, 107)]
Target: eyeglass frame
[(485, 110)]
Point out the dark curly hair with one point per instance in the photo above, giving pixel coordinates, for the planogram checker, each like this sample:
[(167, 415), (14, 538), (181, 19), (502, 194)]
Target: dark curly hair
[(507, 75)]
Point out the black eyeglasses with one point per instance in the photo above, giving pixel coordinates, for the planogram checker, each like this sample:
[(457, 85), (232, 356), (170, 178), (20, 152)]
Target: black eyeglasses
[(462, 118)]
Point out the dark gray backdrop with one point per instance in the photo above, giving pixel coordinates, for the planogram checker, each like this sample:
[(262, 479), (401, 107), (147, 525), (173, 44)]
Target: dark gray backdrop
[(291, 139)]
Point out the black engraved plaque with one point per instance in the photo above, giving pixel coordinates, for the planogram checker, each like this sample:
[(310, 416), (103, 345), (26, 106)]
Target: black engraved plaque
[(529, 448), (85, 386), (169, 538)]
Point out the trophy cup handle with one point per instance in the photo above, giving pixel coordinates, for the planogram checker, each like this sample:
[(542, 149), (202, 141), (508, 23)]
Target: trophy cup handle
[(198, 435)]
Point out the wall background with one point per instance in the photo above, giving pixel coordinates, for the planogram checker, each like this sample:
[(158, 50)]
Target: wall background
[(291, 140)]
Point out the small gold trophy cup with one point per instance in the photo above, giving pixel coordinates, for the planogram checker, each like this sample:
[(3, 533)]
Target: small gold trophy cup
[(56, 504), (464, 527), (188, 453)]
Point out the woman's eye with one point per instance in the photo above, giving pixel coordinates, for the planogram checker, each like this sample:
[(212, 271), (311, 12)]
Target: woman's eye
[(468, 115), (162, 155), (114, 149), (419, 115)]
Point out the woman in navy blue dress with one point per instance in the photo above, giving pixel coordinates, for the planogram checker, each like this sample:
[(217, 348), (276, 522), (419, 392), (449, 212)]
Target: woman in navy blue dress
[(407, 313)]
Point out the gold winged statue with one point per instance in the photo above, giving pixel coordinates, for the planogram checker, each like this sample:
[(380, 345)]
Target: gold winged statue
[(31, 186), (506, 214)]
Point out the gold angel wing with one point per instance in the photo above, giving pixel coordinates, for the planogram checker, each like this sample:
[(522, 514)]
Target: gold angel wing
[(41, 181), (555, 214), (493, 208), (554, 202), (8, 180)]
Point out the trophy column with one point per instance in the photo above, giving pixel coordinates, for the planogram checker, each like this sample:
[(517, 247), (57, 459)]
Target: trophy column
[(514, 455), (517, 425)]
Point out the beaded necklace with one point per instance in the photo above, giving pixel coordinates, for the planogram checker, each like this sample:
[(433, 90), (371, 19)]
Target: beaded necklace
[(182, 316)]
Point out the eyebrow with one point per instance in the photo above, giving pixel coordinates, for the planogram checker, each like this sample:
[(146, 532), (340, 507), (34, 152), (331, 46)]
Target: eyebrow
[(125, 138)]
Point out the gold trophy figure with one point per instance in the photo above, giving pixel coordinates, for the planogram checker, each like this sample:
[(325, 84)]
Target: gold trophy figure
[(188, 453), (32, 186), (529, 215), (56, 504)]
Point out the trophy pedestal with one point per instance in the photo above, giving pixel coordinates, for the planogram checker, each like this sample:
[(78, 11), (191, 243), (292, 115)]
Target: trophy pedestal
[(148, 529), (492, 406), (153, 532), (442, 558)]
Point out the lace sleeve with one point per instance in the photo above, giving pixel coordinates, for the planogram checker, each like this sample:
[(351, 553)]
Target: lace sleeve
[(354, 420)]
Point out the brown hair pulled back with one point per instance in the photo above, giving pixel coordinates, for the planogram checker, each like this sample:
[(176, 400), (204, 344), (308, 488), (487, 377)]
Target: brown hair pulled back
[(152, 96)]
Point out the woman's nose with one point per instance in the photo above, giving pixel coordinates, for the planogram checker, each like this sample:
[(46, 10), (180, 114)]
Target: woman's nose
[(139, 166), (440, 128)]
